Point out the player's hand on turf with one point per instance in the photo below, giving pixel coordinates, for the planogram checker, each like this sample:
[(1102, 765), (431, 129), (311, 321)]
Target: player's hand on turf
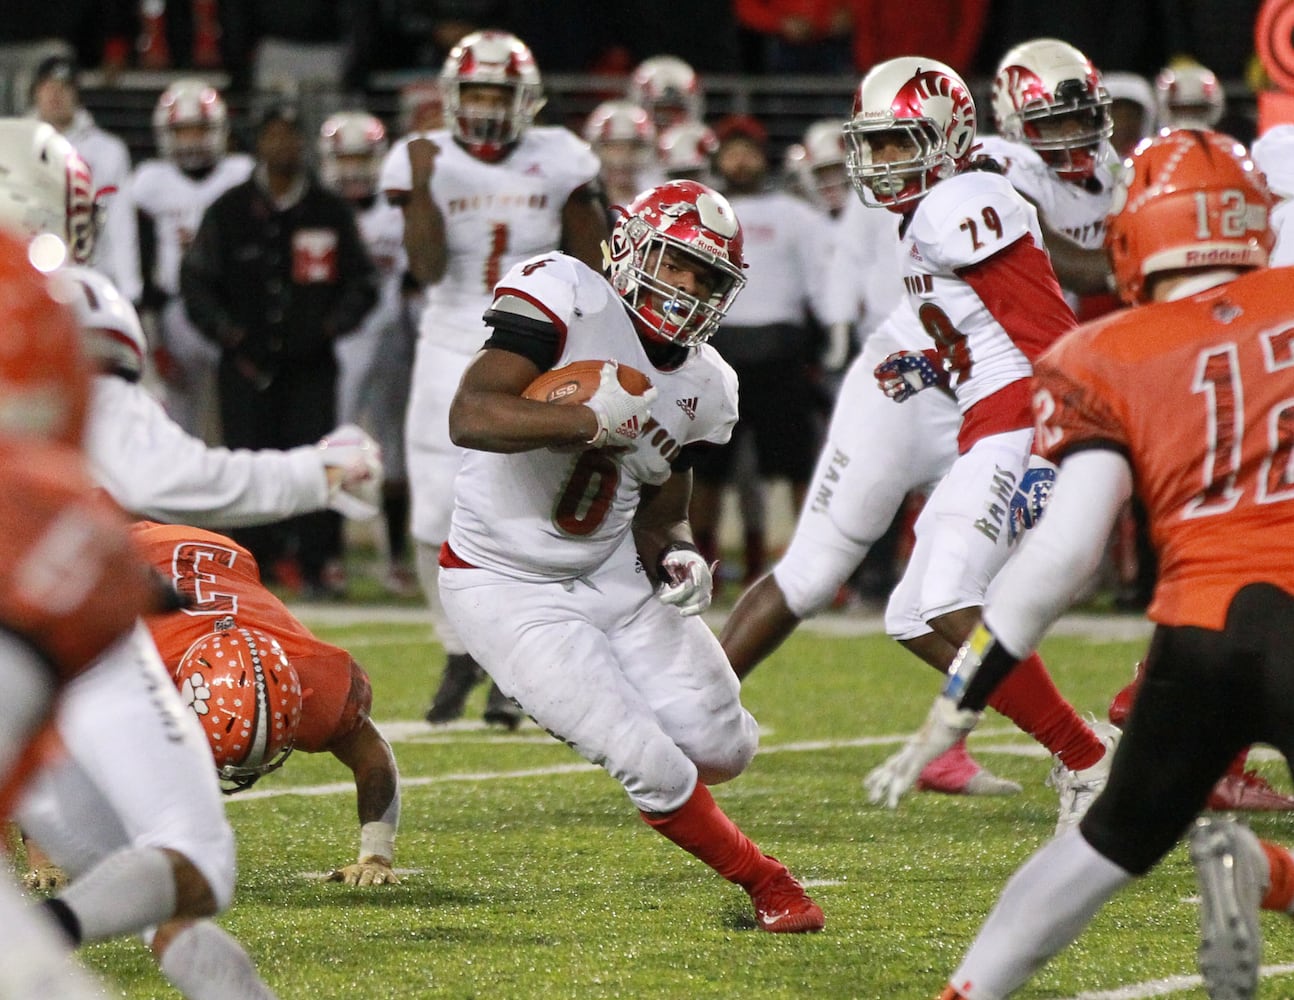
[(621, 415), (944, 726), (687, 581), (45, 878), (1031, 496), (353, 462), (372, 870), (905, 373)]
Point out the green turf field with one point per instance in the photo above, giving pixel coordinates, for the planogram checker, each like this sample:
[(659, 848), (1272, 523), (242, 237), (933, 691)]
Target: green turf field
[(529, 875)]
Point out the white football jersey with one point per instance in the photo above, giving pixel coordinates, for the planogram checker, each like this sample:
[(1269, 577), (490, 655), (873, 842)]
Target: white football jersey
[(786, 245), (175, 202), (964, 221), (496, 214), (545, 514), (1076, 210)]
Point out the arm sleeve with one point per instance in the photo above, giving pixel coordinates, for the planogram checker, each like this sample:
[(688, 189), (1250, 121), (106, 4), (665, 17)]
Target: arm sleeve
[(1018, 286), (152, 468), (1059, 556)]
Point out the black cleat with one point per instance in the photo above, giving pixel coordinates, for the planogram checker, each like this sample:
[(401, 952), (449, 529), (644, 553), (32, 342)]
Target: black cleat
[(462, 673), (500, 710)]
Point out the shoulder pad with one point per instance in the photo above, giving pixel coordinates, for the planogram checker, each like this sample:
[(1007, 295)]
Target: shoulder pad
[(968, 218), (543, 287)]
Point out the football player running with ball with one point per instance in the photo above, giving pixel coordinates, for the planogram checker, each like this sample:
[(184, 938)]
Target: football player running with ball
[(570, 569), (1190, 237)]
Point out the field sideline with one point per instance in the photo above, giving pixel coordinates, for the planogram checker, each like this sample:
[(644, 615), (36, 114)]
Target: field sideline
[(526, 872)]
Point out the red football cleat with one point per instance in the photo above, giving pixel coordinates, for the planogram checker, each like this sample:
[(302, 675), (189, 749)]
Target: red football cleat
[(783, 907), (1121, 704), (1248, 791)]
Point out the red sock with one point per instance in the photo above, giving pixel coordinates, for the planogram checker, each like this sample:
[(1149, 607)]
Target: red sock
[(701, 828), (1280, 886), (1029, 699)]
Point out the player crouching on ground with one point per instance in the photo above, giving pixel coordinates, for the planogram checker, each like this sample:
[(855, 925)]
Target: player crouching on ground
[(570, 569)]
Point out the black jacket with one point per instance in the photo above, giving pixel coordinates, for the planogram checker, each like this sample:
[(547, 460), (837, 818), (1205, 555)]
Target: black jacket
[(278, 286)]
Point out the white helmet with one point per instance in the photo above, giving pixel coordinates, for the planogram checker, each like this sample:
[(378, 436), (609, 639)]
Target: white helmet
[(1050, 81), (929, 107), (619, 121), (493, 58), (46, 193), (820, 169), (198, 108), (1189, 96), (668, 89), (351, 147), (685, 149), (110, 331)]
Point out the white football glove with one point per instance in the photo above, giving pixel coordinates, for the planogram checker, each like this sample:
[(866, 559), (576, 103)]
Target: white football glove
[(687, 582), (368, 871), (355, 487), (621, 415), (944, 726)]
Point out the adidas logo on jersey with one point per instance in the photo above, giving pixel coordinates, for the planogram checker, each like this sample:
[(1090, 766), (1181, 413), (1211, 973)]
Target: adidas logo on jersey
[(688, 406), (629, 428)]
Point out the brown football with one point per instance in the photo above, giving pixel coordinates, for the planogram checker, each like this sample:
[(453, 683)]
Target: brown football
[(578, 381)]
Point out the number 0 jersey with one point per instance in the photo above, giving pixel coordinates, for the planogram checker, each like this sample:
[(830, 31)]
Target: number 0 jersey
[(220, 578), (1198, 394), (546, 514)]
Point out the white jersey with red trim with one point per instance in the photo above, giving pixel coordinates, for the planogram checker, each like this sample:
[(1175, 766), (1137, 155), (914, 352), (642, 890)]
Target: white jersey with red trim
[(496, 214), (1075, 210), (175, 202), (961, 223), (546, 514)]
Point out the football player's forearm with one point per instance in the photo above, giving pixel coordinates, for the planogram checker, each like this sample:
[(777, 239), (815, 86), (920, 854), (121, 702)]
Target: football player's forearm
[(424, 238)]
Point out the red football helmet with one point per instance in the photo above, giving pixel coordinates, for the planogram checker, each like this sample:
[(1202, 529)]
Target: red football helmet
[(351, 147), (919, 105), (491, 59), (1048, 94), (44, 378), (191, 124), (241, 687), (1189, 96), (46, 193), (1187, 199), (669, 90), (689, 220)]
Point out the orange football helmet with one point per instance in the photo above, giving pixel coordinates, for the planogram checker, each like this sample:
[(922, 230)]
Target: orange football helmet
[(1187, 199), (240, 685), (44, 378)]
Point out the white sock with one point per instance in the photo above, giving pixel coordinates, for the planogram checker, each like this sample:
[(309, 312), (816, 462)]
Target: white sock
[(428, 563), (1045, 906), (127, 891), (205, 963)]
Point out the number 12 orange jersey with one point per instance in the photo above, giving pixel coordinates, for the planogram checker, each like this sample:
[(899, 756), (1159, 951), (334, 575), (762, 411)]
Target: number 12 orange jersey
[(1199, 395), (220, 578)]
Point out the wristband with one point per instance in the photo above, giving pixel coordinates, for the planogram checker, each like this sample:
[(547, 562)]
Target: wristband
[(377, 839), (672, 547)]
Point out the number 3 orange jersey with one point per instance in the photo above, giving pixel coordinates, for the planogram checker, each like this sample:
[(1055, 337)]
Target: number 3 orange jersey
[(1199, 395), (219, 578)]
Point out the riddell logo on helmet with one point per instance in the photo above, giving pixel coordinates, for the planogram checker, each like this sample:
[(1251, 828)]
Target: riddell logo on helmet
[(1218, 255)]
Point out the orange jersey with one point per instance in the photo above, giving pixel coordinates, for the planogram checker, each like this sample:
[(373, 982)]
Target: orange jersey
[(70, 582), (1199, 395), (220, 578)]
